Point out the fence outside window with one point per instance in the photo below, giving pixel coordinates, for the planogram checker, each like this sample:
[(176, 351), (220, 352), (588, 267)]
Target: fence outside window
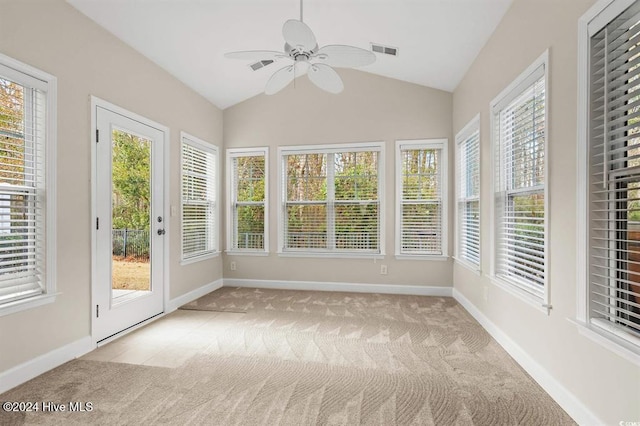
[(131, 243)]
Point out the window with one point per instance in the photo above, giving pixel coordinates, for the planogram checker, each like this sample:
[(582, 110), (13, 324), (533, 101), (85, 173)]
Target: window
[(27, 186), (468, 194), (199, 199), (331, 199), (519, 132), (247, 194), (421, 188), (612, 139)]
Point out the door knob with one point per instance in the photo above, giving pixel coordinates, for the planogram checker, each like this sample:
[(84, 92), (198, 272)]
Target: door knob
[(161, 231)]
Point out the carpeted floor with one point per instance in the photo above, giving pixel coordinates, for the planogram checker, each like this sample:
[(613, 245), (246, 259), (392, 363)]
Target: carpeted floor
[(306, 358)]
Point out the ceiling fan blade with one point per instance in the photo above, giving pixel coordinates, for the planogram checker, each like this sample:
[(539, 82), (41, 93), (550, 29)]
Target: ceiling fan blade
[(255, 55), (341, 56), (325, 78), (279, 80), (298, 34)]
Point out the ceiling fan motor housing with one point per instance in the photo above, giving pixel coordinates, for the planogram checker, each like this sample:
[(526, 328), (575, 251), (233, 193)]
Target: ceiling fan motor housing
[(298, 53)]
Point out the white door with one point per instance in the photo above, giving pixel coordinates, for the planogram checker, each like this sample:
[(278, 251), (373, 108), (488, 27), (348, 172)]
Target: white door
[(128, 285)]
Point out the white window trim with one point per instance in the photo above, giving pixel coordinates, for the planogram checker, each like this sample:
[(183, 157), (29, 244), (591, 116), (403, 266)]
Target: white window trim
[(186, 138), (525, 79), (246, 152), (331, 148), (590, 23), (49, 83), (443, 145), (200, 258), (470, 128)]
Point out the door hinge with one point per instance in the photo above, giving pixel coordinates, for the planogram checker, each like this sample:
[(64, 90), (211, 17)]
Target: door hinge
[(97, 223), (97, 311), (97, 135)]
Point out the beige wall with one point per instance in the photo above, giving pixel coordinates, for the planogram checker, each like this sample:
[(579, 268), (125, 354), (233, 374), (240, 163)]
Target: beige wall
[(604, 382), (89, 61), (54, 37), (371, 108)]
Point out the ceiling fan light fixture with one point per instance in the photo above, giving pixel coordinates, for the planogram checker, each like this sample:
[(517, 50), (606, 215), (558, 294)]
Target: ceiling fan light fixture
[(302, 67)]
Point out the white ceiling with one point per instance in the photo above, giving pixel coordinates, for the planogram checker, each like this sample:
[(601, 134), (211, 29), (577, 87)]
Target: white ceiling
[(437, 39)]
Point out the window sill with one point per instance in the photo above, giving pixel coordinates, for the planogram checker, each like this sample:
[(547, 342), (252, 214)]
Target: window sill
[(467, 265), (332, 255), (246, 253), (525, 296), (436, 257), (24, 304), (199, 258), (611, 340)]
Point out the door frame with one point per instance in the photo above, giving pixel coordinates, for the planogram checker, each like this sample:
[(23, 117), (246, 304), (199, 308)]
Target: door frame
[(95, 103)]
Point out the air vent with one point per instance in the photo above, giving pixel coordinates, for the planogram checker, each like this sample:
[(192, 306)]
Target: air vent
[(261, 64), (386, 50)]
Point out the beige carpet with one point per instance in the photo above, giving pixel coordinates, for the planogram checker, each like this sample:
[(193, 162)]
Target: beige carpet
[(299, 358)]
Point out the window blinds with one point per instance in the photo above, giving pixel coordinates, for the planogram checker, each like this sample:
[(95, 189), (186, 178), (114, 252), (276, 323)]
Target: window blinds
[(199, 220), (248, 210), (520, 176), (614, 199), (468, 170), (22, 187), (356, 206), (421, 200), (306, 202), (332, 201)]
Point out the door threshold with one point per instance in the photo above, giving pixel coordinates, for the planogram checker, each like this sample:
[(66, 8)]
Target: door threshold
[(128, 330), (124, 296)]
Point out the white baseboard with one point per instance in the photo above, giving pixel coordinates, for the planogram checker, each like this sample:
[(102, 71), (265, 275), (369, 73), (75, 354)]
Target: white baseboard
[(567, 400), (415, 290), (33, 368), (193, 295)]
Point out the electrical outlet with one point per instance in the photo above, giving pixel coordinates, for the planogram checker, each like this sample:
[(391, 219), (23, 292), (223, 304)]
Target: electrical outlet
[(232, 266), (383, 269)]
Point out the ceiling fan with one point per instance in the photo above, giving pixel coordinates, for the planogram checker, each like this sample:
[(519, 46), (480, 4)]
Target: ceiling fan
[(302, 49)]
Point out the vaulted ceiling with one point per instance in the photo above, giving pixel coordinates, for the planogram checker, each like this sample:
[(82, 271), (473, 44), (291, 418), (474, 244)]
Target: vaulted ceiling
[(437, 40)]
